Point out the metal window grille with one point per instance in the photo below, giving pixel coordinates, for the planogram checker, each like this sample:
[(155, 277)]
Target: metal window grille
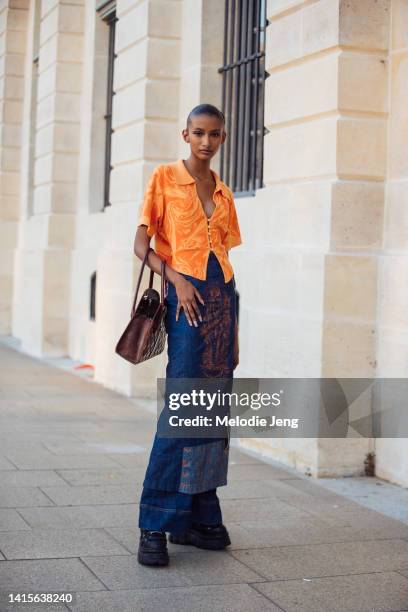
[(111, 20), (243, 79), (92, 301)]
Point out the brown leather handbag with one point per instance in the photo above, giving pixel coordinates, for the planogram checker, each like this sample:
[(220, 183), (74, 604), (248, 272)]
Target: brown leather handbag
[(145, 334)]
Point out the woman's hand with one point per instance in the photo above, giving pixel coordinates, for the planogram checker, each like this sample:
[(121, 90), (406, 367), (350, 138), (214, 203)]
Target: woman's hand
[(187, 293)]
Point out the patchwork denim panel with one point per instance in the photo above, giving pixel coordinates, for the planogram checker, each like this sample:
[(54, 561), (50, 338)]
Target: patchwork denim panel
[(204, 467)]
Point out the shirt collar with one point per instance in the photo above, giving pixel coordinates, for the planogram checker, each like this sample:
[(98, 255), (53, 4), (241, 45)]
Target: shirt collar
[(183, 177)]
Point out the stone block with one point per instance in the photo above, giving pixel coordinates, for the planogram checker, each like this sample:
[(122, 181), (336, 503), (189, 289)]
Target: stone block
[(357, 214), (379, 589), (348, 349), (129, 105), (133, 27), (305, 90), (399, 23), (49, 25), (351, 288), (160, 139), (332, 559), (68, 78), (164, 19), (305, 150), (398, 119), (162, 98), (196, 568), (65, 167), (362, 83), (361, 148), (70, 47), (364, 24), (70, 18), (43, 543), (393, 292), (128, 144), (131, 65), (219, 597), (48, 575), (163, 58), (67, 106), (396, 216)]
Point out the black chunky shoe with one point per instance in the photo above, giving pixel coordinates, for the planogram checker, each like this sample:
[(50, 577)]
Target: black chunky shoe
[(153, 548), (210, 537)]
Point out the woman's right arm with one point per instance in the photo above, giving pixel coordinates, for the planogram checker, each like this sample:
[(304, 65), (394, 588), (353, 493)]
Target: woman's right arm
[(141, 244), (186, 292)]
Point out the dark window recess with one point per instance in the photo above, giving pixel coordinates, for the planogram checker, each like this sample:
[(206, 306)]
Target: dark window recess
[(111, 20), (92, 302), (243, 83)]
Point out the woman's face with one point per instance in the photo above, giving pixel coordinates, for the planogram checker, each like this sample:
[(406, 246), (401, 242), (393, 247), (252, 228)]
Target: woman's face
[(205, 135)]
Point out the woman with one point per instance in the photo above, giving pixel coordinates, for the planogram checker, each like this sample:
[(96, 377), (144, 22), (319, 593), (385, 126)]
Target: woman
[(192, 214)]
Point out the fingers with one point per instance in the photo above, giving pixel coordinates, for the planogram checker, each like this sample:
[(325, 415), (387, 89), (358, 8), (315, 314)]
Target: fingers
[(190, 314), (197, 310), (191, 310), (198, 294)]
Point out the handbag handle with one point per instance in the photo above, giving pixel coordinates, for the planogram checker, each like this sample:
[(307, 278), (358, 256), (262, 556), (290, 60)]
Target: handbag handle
[(162, 294)]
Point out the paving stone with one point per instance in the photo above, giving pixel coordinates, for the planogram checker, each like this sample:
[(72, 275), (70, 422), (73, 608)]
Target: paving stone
[(106, 476), (199, 568), (239, 457), (29, 478), (252, 471), (10, 520), (5, 464), (131, 461), (47, 575), (12, 497), (376, 592), (36, 607), (53, 543), (285, 532), (82, 517), (326, 559), (48, 461), (247, 489), (94, 448), (93, 494), (220, 598), (361, 517), (259, 510)]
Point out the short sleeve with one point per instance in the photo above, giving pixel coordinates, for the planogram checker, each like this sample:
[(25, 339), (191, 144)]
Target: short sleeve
[(233, 237), (151, 209)]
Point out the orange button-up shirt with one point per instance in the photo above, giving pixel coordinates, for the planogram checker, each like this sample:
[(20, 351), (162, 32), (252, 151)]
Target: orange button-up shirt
[(184, 236)]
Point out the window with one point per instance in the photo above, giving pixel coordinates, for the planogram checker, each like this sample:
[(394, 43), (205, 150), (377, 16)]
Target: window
[(92, 301), (243, 78), (108, 13), (111, 20)]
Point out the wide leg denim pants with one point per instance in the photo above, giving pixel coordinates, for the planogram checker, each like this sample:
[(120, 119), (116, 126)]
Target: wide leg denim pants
[(183, 474)]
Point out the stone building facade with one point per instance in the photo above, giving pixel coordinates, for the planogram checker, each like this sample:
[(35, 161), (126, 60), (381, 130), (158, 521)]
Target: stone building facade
[(327, 233)]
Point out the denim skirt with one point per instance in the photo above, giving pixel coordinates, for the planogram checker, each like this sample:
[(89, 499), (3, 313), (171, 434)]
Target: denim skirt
[(195, 465)]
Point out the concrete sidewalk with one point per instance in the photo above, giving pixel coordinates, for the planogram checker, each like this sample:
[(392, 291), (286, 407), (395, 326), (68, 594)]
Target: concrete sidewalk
[(72, 460)]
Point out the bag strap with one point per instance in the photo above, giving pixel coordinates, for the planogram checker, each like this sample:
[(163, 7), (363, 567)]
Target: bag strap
[(163, 281)]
